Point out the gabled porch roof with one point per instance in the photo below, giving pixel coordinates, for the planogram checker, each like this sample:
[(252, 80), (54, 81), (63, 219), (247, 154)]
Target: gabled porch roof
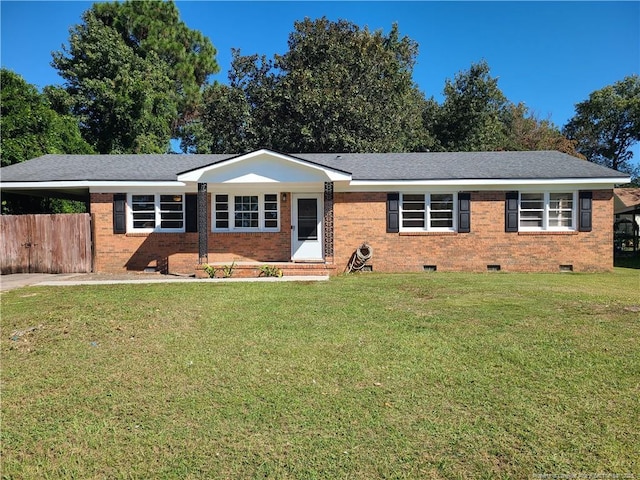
[(264, 166)]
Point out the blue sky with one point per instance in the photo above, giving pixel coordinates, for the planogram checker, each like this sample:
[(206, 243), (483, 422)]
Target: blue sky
[(549, 55)]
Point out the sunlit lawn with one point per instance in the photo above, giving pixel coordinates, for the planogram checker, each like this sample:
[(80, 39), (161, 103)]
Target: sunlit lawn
[(368, 376)]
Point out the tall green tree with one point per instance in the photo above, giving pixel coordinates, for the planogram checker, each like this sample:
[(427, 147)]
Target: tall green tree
[(525, 131), (134, 71), (607, 125), (225, 123), (338, 88), (471, 116), (240, 116), (31, 127)]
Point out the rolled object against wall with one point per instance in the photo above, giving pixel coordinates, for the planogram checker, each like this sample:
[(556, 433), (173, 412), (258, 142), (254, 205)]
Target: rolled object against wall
[(359, 258)]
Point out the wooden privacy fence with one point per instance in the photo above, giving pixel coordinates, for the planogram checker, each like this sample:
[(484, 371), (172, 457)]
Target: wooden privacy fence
[(45, 243)]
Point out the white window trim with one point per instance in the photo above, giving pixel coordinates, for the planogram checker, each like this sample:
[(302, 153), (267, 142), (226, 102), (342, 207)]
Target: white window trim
[(427, 206), (232, 212), (158, 219), (545, 214)]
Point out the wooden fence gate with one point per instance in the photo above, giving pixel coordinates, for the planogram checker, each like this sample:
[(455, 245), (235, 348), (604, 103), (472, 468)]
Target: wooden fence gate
[(45, 243)]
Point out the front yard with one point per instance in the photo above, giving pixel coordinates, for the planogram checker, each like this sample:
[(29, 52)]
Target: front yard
[(368, 376)]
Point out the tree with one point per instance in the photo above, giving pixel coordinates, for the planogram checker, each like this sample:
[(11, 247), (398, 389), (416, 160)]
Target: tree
[(607, 124), (32, 128), (224, 124), (338, 88), (525, 131), (240, 116), (470, 119), (134, 71)]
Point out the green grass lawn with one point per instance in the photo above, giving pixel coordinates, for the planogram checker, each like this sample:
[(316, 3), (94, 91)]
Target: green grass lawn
[(366, 376)]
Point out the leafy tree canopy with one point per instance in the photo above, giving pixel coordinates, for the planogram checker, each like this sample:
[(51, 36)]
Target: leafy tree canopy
[(607, 124), (339, 88), (477, 116), (30, 126), (525, 131), (134, 72), (470, 117)]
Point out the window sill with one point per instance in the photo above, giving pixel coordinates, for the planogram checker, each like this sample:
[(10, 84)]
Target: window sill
[(428, 234), (550, 232), (146, 234), (243, 232)]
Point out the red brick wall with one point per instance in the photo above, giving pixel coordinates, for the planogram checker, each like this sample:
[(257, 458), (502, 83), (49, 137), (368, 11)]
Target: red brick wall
[(178, 252), (361, 217)]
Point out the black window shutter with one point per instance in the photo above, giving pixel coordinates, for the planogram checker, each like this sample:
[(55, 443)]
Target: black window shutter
[(511, 212), (585, 210), (464, 212), (119, 215), (393, 212), (191, 212)]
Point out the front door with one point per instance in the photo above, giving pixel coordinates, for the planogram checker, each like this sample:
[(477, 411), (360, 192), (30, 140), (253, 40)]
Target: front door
[(306, 227)]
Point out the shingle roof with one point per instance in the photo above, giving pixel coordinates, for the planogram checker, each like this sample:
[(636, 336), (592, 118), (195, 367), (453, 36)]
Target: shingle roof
[(463, 165), (362, 166), (626, 199), (52, 168)]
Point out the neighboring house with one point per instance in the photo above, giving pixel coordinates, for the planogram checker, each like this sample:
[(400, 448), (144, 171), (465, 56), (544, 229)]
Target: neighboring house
[(626, 208), (513, 211)]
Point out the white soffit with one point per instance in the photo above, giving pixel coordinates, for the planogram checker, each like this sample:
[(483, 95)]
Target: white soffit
[(264, 166)]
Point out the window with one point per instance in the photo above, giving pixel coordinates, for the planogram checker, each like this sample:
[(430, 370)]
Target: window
[(413, 211), (531, 210), (547, 211), (254, 212), (246, 213), (428, 212), (156, 212), (171, 212), (221, 209), (271, 211), (561, 210), (441, 209)]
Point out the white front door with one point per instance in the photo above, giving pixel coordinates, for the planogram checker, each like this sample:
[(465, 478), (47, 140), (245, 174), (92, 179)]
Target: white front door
[(306, 226)]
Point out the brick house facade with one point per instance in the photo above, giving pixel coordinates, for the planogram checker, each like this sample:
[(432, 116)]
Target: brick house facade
[(513, 211)]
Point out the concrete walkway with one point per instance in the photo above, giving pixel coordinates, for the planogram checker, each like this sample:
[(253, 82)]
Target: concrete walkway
[(17, 280)]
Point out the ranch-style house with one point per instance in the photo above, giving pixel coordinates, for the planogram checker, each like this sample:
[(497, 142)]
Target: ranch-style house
[(541, 211)]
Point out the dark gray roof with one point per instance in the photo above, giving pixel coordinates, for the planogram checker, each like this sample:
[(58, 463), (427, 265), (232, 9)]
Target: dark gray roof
[(51, 168), (463, 165), (362, 166)]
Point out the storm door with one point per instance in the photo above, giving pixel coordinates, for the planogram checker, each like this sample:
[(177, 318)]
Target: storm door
[(306, 227)]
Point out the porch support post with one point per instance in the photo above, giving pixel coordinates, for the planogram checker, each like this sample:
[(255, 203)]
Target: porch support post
[(328, 220), (203, 231)]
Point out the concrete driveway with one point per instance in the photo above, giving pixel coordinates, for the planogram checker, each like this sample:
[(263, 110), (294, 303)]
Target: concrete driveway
[(17, 280)]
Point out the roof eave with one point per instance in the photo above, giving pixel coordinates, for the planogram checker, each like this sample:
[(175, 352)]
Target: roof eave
[(487, 184), (495, 181), (88, 184)]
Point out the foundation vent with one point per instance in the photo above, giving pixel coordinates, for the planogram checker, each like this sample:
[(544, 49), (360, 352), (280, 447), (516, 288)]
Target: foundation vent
[(430, 268), (493, 268), (566, 268)]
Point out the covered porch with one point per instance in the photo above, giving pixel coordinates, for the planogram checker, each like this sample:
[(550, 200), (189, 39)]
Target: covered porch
[(265, 208)]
